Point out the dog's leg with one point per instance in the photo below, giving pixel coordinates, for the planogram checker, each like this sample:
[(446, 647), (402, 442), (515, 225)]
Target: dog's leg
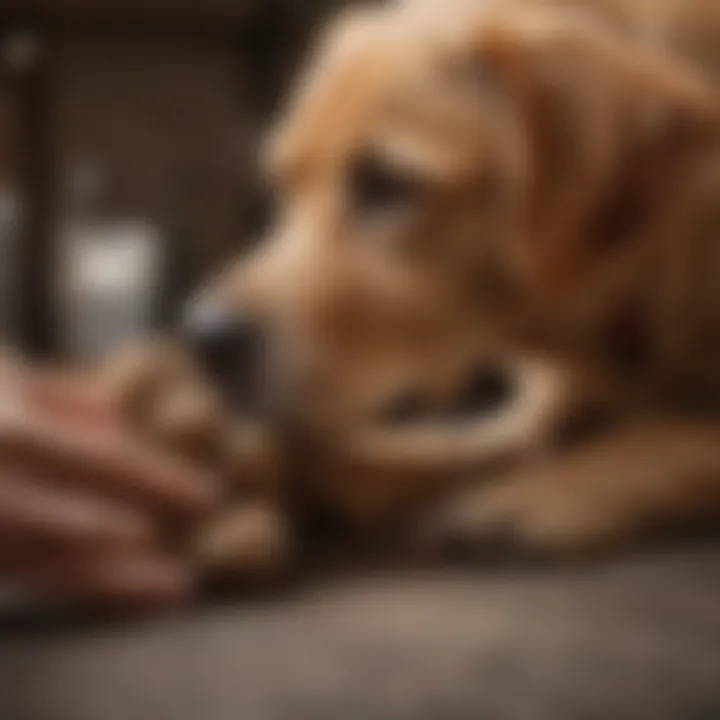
[(380, 474), (647, 473)]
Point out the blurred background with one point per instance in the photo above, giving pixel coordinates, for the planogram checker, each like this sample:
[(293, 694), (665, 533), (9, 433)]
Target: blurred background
[(128, 135), (128, 138)]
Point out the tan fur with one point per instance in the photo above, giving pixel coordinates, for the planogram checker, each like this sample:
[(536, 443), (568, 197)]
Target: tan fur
[(162, 394), (569, 158)]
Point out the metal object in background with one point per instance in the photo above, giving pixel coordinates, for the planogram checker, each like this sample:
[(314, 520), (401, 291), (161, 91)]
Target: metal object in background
[(237, 54), (109, 269), (10, 234), (109, 286)]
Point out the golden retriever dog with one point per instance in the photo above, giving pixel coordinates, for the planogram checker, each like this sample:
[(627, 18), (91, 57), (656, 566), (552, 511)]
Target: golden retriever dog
[(461, 186)]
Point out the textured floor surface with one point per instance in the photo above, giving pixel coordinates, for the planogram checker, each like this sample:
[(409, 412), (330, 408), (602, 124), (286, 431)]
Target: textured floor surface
[(637, 638)]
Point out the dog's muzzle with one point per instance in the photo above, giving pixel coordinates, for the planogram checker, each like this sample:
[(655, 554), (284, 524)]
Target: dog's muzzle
[(231, 348)]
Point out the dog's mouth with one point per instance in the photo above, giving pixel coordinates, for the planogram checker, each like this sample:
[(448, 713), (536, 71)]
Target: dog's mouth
[(413, 429), (414, 435), (242, 359), (256, 392), (484, 391)]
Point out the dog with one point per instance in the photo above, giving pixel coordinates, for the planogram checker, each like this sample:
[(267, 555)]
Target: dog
[(527, 186)]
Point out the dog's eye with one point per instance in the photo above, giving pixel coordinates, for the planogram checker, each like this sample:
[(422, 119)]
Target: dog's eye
[(377, 187)]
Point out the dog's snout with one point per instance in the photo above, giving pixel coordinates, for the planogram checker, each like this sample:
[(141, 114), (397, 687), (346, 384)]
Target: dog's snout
[(231, 347), (210, 327)]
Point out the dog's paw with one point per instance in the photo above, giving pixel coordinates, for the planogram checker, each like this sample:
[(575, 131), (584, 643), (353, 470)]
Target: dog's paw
[(162, 395), (165, 398), (247, 539), (555, 515)]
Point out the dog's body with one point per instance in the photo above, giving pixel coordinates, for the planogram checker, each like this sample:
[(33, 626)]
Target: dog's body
[(530, 183)]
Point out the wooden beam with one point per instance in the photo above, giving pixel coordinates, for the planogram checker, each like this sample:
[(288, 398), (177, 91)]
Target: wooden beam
[(38, 319)]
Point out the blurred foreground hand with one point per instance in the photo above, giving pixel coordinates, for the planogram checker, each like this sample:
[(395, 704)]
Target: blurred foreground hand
[(83, 504)]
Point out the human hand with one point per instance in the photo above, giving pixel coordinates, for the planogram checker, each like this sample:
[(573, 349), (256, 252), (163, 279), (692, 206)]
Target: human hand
[(83, 502)]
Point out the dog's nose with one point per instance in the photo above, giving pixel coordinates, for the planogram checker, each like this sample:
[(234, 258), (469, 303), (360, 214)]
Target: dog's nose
[(230, 347)]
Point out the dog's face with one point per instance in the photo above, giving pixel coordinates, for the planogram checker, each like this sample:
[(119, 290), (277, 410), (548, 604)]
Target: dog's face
[(435, 182)]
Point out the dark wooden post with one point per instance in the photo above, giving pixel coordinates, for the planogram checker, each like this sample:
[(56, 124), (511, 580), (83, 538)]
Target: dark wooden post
[(37, 252)]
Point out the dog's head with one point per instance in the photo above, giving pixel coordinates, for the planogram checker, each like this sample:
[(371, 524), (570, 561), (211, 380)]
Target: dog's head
[(451, 189)]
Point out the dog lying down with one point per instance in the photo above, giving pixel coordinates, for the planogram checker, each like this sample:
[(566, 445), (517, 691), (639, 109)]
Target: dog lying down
[(533, 186)]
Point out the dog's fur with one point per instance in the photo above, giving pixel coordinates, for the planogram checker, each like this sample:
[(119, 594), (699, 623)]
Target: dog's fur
[(530, 183)]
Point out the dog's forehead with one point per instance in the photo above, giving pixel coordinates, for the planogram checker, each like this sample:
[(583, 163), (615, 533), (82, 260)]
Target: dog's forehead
[(362, 70)]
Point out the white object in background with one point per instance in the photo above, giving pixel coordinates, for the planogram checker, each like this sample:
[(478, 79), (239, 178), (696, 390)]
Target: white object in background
[(110, 283), (10, 234)]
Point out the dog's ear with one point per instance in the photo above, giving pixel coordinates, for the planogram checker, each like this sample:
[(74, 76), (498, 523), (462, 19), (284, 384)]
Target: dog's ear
[(609, 127)]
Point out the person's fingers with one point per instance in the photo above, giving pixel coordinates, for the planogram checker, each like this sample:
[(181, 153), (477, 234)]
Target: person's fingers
[(107, 463), (68, 398), (100, 578), (31, 510), (138, 581)]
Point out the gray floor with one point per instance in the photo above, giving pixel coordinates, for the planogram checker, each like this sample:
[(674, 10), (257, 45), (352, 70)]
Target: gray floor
[(637, 638)]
